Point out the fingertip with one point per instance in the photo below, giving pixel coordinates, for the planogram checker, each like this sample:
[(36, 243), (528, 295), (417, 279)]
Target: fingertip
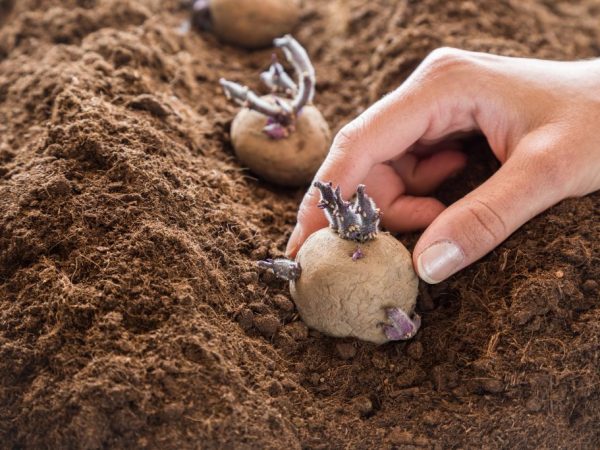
[(294, 242), (456, 159), (417, 264), (423, 176), (439, 261)]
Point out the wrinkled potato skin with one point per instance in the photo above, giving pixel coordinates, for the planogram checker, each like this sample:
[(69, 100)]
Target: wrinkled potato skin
[(253, 23), (341, 297), (292, 161)]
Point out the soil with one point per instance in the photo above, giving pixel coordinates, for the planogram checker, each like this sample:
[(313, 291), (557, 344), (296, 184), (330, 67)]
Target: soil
[(131, 312)]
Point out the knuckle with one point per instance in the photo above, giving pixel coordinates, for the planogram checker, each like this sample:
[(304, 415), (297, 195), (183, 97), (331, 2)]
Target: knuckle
[(552, 171), (485, 222), (302, 215), (444, 60), (349, 136)]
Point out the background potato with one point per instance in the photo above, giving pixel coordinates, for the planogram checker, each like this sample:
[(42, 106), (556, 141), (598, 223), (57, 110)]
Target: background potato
[(253, 23), (292, 161)]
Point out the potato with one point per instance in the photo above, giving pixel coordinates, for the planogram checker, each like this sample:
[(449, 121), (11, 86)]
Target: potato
[(253, 23), (291, 161), (350, 279), (341, 296), (281, 137)]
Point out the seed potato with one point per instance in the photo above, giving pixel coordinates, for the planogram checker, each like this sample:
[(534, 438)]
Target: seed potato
[(253, 23), (291, 161), (343, 297)]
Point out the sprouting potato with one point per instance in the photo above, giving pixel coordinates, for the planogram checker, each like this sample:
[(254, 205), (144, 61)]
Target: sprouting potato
[(292, 161), (281, 140), (253, 23), (247, 23), (342, 296), (350, 279)]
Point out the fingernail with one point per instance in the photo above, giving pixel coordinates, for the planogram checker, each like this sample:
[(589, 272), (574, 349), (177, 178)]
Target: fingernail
[(439, 261), (292, 245)]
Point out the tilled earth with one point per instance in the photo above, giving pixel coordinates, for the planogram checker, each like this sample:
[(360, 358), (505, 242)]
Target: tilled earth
[(131, 311)]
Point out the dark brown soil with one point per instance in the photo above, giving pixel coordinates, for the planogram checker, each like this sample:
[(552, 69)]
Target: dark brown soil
[(131, 313)]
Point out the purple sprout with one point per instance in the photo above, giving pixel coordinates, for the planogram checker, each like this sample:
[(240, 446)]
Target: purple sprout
[(358, 254), (357, 221), (328, 203), (369, 213), (275, 130), (277, 79), (281, 112), (348, 220), (283, 268), (403, 327)]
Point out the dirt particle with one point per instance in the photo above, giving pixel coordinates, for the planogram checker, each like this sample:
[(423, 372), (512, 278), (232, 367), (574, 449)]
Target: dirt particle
[(408, 377), (259, 308), (289, 385), (491, 386), (147, 102), (399, 436), (431, 418), (379, 360), (267, 325), (245, 318), (297, 330), (269, 278), (283, 303), (173, 411), (362, 405), (415, 350), (522, 317), (533, 404), (315, 334), (275, 388), (285, 342), (589, 286), (345, 350), (298, 422), (314, 379), (260, 253), (438, 376), (249, 277)]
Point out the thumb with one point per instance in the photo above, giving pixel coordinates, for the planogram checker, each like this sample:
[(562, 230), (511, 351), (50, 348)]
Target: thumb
[(473, 226)]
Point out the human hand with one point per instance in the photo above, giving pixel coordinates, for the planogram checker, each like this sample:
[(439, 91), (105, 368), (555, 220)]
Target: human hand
[(539, 117)]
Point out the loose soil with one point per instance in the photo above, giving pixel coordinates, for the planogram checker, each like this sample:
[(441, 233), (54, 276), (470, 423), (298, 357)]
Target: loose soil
[(131, 311)]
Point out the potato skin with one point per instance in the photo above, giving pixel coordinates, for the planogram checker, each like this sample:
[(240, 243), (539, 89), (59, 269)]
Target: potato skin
[(253, 23), (341, 297), (292, 161)]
